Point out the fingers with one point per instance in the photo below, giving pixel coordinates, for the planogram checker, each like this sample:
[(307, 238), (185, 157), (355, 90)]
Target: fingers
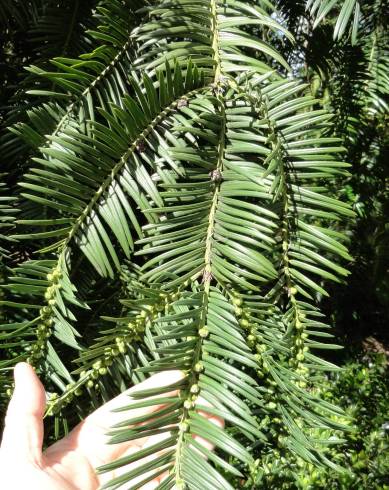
[(23, 432), (212, 418), (105, 415), (90, 437), (151, 441)]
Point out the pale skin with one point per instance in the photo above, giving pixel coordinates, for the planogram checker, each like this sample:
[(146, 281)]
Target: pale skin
[(70, 463)]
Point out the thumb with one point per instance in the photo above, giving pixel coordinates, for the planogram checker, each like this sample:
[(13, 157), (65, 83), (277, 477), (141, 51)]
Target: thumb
[(23, 431)]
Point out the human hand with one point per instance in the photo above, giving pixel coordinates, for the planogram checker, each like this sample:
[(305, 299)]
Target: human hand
[(70, 463)]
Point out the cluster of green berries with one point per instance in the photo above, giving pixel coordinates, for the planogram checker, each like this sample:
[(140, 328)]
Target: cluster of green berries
[(2, 295), (56, 402), (135, 328), (54, 278), (191, 397), (45, 327), (259, 348), (299, 348), (252, 338), (100, 368), (43, 332), (86, 378)]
